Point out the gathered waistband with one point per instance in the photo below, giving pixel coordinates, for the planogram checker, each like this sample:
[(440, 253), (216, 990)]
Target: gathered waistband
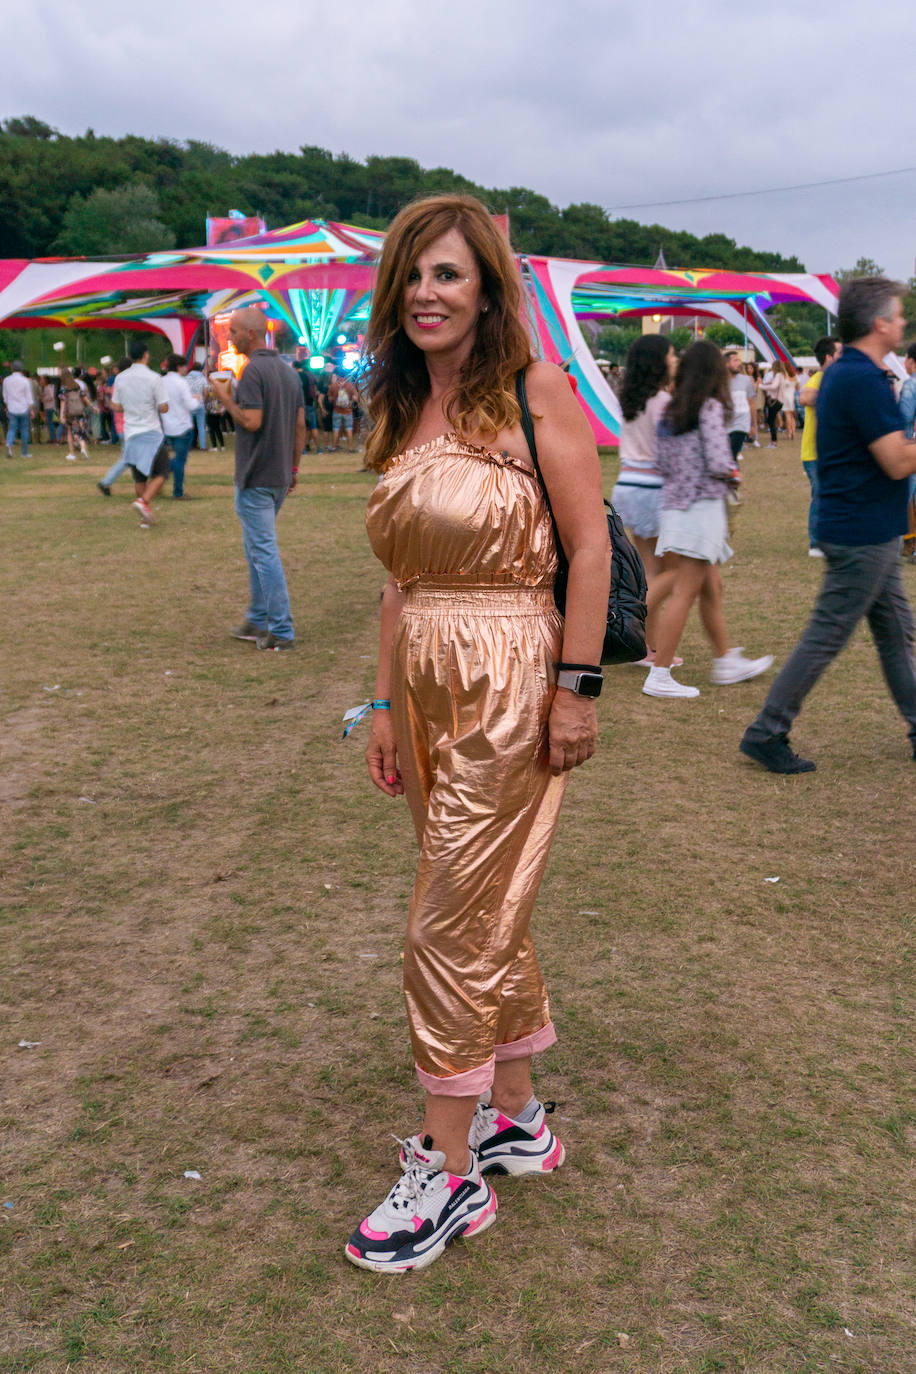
[(480, 597)]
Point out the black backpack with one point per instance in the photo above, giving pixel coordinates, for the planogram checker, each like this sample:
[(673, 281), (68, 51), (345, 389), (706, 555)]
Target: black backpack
[(625, 634)]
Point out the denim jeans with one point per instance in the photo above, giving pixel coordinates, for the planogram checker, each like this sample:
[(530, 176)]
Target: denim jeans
[(811, 474), (257, 509), (117, 467), (199, 416), (181, 446), (52, 427), (860, 580), (19, 426)]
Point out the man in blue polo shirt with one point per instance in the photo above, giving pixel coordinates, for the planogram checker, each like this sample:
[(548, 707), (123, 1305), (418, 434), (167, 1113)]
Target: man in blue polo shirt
[(864, 461)]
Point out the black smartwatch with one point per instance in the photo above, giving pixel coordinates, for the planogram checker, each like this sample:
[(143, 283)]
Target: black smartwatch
[(580, 678)]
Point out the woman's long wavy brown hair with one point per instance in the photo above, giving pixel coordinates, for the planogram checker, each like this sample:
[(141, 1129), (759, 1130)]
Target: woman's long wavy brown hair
[(701, 375), (396, 381)]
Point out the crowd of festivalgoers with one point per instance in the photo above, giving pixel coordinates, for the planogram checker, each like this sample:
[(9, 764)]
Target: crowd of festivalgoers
[(72, 408)]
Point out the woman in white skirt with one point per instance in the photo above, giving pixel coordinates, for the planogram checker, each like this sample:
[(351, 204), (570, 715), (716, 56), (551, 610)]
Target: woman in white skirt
[(637, 496), (695, 459)]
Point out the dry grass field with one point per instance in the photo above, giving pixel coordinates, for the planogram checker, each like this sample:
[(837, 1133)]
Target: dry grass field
[(201, 907)]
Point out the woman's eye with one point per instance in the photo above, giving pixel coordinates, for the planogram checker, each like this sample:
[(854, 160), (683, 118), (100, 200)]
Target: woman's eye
[(447, 274)]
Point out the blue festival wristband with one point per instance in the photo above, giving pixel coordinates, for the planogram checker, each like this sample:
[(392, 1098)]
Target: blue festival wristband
[(356, 713)]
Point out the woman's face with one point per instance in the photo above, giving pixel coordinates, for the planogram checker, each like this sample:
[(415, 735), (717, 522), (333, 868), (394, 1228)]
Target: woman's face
[(443, 298), (671, 361)]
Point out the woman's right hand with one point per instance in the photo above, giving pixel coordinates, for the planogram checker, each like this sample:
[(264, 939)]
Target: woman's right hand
[(382, 755)]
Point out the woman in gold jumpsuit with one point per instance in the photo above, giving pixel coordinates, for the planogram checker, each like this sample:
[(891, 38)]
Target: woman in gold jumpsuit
[(469, 722)]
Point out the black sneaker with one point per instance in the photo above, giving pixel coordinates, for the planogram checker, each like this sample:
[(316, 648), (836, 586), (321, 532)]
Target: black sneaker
[(776, 754), (106, 491), (270, 641)]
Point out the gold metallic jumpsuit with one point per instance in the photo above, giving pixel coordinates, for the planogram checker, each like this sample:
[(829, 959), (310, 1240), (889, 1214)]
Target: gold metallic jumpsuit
[(467, 535)]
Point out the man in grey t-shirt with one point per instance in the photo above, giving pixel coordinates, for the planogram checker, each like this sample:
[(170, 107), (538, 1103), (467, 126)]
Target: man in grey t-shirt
[(269, 437)]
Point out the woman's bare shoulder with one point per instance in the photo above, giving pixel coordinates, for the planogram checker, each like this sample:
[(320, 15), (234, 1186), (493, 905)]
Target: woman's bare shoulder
[(544, 382)]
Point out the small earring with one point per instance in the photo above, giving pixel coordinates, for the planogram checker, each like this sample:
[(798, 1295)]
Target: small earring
[(484, 309)]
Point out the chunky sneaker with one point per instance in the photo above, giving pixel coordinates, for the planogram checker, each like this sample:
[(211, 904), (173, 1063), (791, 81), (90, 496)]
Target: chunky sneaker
[(660, 683), (248, 631), (776, 754), (506, 1146), (815, 552), (146, 515), (425, 1211), (268, 640), (734, 667)]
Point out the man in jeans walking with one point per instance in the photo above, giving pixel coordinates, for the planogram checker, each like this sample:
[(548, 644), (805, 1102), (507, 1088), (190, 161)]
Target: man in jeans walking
[(269, 437), (20, 407), (864, 461)]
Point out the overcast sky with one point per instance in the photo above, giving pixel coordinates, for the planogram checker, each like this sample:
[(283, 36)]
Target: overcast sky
[(581, 100)]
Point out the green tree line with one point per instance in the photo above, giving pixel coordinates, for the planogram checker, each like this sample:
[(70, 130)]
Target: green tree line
[(98, 195)]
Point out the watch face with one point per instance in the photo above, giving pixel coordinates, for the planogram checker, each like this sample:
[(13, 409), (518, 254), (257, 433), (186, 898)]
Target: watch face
[(590, 684)]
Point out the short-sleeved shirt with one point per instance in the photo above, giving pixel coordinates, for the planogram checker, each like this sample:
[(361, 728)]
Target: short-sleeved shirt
[(140, 393), (264, 457), (744, 395), (809, 433), (639, 444), (857, 502)]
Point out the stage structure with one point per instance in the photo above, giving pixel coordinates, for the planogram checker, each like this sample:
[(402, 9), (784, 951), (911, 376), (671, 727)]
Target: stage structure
[(316, 275)]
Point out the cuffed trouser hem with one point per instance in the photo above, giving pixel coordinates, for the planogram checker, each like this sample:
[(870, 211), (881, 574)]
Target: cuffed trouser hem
[(528, 1045), (471, 1083)]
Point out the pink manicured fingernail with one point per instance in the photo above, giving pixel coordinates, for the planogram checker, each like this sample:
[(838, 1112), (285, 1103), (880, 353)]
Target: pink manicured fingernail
[(390, 778)]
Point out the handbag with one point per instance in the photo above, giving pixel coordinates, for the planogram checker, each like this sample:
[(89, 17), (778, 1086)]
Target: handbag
[(74, 408), (625, 631)]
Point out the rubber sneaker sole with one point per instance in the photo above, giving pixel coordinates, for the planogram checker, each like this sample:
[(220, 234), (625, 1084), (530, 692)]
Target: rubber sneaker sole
[(679, 692), (517, 1165)]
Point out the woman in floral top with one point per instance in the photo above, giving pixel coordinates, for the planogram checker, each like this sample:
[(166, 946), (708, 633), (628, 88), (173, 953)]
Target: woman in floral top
[(695, 460)]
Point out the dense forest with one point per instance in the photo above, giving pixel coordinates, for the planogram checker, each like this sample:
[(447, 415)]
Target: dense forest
[(95, 196)]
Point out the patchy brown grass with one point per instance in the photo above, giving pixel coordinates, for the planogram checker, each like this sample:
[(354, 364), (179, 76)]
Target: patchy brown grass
[(201, 905)]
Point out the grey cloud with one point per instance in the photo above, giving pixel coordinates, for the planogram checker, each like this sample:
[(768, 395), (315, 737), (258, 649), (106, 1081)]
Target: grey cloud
[(588, 101)]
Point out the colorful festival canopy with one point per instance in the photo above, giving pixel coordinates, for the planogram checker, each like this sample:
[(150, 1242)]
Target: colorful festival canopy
[(562, 291), (317, 274), (310, 275)]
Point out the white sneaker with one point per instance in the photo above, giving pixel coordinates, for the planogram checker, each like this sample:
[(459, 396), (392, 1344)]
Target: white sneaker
[(71, 457), (815, 553), (660, 683), (734, 667)]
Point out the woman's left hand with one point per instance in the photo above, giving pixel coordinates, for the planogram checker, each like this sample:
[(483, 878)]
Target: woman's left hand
[(572, 730)]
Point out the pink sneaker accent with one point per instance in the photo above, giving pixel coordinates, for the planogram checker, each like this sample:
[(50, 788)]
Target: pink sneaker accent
[(368, 1231), (554, 1159), (484, 1218)]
